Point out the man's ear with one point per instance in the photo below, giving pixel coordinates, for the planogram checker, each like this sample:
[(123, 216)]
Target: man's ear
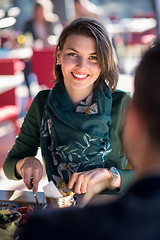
[(134, 123)]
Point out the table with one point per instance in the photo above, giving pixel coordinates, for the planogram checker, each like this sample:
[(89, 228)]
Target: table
[(27, 196)]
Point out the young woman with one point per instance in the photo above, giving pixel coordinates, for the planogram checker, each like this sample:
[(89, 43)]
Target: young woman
[(77, 124)]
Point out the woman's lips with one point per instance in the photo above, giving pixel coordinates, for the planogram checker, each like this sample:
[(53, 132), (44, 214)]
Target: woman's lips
[(79, 76)]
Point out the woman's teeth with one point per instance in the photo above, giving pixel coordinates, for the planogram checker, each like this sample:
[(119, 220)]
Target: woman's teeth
[(80, 76)]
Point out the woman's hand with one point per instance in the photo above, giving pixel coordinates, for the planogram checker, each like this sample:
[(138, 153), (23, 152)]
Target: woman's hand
[(31, 170), (81, 181)]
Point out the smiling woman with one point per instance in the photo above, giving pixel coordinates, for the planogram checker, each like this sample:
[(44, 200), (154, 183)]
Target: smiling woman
[(77, 124)]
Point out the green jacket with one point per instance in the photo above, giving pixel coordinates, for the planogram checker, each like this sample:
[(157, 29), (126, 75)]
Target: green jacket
[(28, 141)]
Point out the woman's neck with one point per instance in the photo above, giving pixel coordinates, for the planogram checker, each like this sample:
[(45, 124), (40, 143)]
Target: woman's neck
[(77, 96)]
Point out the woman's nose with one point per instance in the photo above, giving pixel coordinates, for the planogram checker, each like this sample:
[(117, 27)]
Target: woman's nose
[(81, 63)]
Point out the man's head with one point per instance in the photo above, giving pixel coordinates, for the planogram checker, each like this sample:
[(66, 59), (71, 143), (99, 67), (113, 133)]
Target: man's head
[(142, 123)]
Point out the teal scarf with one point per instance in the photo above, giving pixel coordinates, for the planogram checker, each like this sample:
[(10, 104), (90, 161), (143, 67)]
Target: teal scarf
[(75, 141)]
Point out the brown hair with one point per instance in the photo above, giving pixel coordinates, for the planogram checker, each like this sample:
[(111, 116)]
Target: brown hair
[(147, 91), (92, 28)]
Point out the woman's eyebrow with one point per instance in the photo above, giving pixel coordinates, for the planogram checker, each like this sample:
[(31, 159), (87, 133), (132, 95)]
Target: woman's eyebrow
[(72, 49), (92, 54)]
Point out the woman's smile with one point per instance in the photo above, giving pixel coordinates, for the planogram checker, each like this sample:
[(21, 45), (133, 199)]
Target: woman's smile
[(79, 76)]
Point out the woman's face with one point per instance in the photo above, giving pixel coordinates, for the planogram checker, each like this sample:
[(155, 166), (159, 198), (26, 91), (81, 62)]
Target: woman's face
[(79, 63)]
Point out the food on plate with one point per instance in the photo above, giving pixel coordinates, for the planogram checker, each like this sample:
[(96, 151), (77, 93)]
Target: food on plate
[(8, 223), (65, 193), (56, 196), (7, 216), (25, 212), (66, 200), (62, 185), (7, 205)]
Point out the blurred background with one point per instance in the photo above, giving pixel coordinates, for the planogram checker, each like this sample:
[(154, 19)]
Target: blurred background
[(29, 30)]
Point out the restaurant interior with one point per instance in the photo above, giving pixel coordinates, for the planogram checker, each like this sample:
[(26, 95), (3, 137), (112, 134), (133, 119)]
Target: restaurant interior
[(26, 65)]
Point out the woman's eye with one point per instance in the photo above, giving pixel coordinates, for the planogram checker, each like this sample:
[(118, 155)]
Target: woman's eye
[(93, 58), (72, 54)]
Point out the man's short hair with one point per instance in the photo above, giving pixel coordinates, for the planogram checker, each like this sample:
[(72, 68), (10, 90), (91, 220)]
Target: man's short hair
[(147, 90)]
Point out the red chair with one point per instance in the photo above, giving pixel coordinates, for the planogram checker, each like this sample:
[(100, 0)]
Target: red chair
[(10, 66), (42, 64), (8, 98), (9, 112), (8, 109)]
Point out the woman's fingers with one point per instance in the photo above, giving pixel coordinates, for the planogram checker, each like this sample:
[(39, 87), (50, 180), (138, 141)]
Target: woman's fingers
[(26, 175), (36, 178), (73, 180), (81, 185), (31, 171), (81, 181)]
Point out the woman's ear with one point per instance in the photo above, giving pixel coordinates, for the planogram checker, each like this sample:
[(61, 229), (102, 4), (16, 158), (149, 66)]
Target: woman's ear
[(58, 56)]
